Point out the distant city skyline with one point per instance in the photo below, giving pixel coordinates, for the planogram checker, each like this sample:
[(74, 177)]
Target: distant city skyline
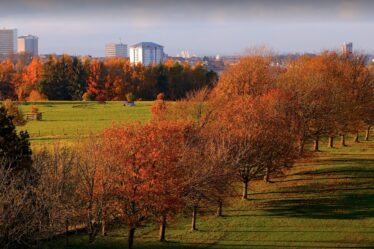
[(201, 27)]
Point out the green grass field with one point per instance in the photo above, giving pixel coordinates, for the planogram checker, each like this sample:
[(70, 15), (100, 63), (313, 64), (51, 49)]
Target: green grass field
[(323, 202), (66, 121)]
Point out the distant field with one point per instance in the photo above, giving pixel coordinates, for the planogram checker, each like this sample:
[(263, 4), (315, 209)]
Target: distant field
[(323, 202), (66, 121)]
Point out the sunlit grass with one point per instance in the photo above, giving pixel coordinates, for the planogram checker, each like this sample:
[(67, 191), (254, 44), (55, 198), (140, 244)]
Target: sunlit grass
[(67, 121)]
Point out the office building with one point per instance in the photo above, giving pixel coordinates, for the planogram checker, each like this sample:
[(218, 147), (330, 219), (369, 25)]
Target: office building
[(8, 41), (116, 50), (146, 53), (347, 48), (28, 44)]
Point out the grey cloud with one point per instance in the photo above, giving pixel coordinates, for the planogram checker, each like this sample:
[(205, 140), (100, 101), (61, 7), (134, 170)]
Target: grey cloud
[(175, 10)]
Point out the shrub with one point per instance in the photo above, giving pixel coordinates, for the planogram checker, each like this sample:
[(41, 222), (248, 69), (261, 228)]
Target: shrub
[(86, 97), (13, 111), (130, 97), (160, 96), (34, 109), (36, 96)]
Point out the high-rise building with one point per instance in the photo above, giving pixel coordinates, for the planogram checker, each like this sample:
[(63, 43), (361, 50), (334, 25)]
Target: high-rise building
[(146, 53), (8, 41), (28, 44), (347, 48), (116, 50)]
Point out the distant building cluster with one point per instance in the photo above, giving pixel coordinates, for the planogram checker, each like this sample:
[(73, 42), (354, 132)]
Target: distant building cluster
[(11, 44), (146, 53)]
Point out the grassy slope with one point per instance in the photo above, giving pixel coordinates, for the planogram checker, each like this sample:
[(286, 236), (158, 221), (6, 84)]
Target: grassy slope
[(65, 121), (326, 202)]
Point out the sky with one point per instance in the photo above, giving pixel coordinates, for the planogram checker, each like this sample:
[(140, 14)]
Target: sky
[(202, 27)]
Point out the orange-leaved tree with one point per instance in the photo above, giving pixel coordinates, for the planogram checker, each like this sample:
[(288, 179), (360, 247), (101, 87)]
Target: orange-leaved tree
[(30, 78), (253, 75), (259, 136), (147, 171)]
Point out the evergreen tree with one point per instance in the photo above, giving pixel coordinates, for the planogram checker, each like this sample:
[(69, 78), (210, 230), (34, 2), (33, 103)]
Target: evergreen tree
[(15, 149), (77, 79)]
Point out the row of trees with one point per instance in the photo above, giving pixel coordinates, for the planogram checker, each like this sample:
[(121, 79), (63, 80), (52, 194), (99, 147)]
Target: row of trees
[(69, 78), (254, 124), (327, 95)]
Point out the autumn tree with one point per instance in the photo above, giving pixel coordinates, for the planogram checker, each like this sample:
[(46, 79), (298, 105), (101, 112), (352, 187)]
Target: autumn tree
[(57, 203), (253, 75), (7, 86), (30, 77), (95, 186), (359, 93), (209, 177), (168, 140), (96, 84), (369, 109), (260, 141), (329, 95), (119, 73), (159, 107), (13, 111), (144, 157), (313, 84)]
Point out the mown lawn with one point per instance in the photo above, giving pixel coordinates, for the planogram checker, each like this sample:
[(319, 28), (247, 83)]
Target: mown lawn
[(67, 121), (323, 202)]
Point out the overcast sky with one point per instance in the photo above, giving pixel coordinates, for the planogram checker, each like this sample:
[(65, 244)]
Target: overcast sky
[(203, 27)]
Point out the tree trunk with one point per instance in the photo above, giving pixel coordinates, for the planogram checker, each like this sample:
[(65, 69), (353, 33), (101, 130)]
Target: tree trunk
[(367, 135), (316, 144), (103, 227), (245, 190), (301, 146), (267, 174), (194, 213), (162, 229), (342, 141), (356, 140), (130, 241), (331, 142), (93, 229), (219, 209), (66, 232), (90, 228)]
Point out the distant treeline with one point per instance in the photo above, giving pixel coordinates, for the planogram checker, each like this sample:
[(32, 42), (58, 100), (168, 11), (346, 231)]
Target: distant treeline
[(70, 78)]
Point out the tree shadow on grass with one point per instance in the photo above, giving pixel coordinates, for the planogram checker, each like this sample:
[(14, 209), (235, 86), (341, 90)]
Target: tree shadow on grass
[(364, 167), (350, 206), (172, 244), (330, 200)]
